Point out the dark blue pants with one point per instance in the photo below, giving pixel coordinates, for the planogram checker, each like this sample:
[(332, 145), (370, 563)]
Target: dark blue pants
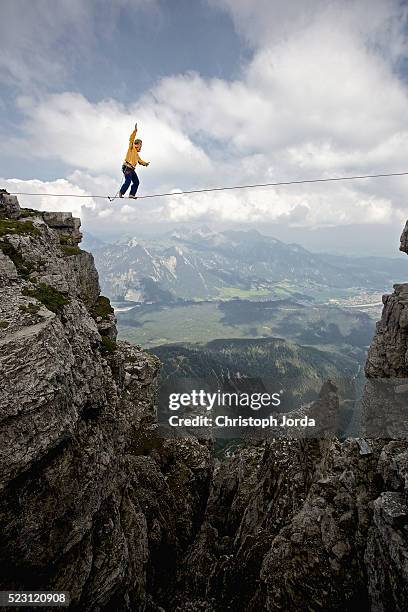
[(130, 177)]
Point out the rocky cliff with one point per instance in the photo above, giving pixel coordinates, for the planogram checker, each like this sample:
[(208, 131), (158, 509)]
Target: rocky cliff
[(318, 525), (94, 502), (388, 356)]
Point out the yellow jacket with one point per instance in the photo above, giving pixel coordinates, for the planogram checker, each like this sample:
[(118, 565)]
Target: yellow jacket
[(132, 156)]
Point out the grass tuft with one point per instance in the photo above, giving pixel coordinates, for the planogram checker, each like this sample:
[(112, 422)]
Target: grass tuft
[(108, 346), (69, 250), (50, 297), (29, 212), (11, 226)]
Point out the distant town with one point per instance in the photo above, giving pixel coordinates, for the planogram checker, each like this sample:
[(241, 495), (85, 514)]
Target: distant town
[(366, 301)]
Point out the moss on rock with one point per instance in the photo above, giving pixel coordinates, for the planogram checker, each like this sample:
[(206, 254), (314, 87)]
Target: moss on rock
[(102, 308), (108, 346), (23, 267)]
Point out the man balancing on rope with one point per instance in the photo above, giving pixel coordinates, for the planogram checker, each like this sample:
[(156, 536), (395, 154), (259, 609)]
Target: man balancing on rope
[(131, 160)]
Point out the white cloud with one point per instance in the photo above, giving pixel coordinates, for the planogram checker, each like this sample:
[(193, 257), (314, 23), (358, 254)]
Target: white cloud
[(321, 207), (322, 84), (320, 97), (94, 136), (381, 23), (86, 196), (51, 195)]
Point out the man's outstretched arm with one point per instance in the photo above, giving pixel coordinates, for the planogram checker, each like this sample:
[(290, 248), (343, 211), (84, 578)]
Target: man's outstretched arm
[(133, 135)]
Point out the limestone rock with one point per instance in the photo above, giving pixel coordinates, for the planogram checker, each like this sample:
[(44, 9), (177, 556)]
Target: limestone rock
[(387, 356), (404, 239), (93, 501), (65, 224), (9, 206)]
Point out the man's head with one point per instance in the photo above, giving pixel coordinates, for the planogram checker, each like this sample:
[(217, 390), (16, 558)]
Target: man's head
[(138, 144)]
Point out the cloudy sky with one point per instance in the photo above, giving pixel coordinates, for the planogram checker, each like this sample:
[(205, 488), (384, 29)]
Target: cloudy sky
[(225, 92)]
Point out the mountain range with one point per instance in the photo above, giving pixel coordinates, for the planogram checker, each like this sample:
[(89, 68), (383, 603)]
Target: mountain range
[(204, 264)]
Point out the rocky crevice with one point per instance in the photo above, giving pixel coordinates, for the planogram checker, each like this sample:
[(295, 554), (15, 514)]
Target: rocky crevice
[(313, 524)]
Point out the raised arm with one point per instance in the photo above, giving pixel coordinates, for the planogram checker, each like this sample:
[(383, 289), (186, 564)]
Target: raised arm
[(133, 135)]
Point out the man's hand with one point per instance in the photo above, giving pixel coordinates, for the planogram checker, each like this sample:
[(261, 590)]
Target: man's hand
[(135, 126), (147, 163)]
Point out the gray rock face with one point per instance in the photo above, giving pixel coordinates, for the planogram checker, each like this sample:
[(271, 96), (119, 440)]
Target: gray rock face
[(386, 552), (388, 356), (9, 205), (291, 526), (93, 501), (65, 224), (404, 239)]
